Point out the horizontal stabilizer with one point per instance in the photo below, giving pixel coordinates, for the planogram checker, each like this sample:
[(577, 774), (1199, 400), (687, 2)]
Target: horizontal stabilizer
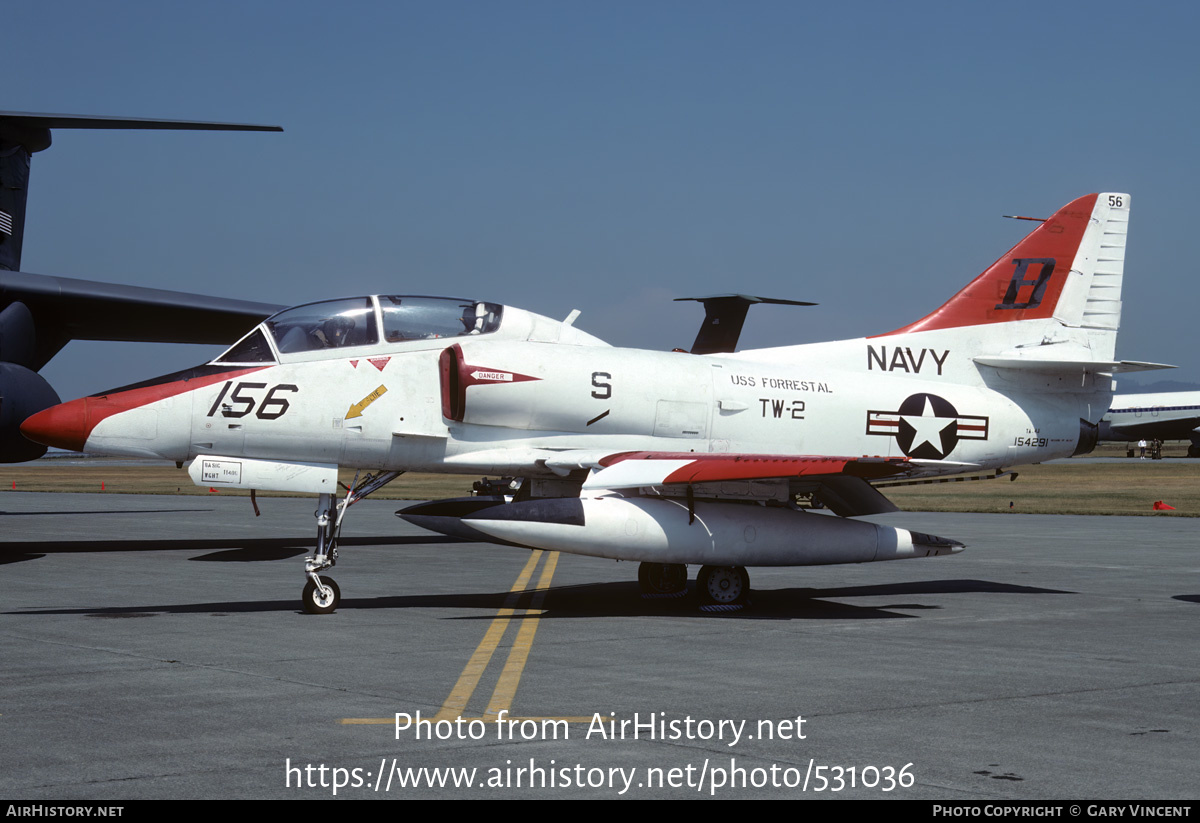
[(23, 134), (938, 467), (724, 316), (748, 299), (1069, 366), (35, 120)]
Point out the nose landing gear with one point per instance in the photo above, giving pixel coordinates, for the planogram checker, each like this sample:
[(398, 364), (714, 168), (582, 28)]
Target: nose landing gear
[(322, 595)]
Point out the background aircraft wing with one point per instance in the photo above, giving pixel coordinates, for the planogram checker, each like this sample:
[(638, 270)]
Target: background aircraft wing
[(63, 309)]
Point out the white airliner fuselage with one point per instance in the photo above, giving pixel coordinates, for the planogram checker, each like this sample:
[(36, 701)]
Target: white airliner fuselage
[(1154, 415)]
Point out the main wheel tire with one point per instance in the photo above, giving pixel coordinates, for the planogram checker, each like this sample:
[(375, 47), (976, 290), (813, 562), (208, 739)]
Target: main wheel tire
[(316, 602), (662, 579), (723, 587)]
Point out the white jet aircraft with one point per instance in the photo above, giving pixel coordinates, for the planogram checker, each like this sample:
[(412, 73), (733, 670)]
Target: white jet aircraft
[(665, 458), (1161, 415)]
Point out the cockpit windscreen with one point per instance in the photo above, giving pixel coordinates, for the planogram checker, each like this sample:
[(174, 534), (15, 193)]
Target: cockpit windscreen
[(333, 324)]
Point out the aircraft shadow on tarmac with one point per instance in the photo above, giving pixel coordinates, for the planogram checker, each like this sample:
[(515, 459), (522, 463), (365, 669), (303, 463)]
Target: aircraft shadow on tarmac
[(230, 550), (623, 600), (1187, 598), (613, 600)]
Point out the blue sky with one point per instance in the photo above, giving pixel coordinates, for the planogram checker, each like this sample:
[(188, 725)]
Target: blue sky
[(606, 156)]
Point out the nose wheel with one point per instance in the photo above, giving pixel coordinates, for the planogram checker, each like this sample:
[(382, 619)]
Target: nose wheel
[(723, 588), (321, 596)]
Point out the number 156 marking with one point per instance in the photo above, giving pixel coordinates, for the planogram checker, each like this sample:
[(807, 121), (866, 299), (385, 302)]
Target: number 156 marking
[(271, 408)]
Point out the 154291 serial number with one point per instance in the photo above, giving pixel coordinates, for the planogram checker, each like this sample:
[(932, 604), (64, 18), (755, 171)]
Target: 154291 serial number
[(1031, 442)]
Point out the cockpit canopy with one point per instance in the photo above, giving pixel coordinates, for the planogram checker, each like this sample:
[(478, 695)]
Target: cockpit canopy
[(333, 324), (356, 321), (355, 327), (426, 318)]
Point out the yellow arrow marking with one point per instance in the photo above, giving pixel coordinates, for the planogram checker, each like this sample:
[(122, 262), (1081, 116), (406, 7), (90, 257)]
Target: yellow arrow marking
[(357, 409)]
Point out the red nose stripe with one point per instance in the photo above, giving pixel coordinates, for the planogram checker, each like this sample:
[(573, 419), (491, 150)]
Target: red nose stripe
[(68, 425), (63, 426)]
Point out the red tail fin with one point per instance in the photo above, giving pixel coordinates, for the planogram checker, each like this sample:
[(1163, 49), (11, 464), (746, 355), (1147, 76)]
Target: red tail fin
[(1025, 283)]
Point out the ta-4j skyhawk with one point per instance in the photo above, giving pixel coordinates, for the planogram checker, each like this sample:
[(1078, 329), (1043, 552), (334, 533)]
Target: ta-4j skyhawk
[(666, 458)]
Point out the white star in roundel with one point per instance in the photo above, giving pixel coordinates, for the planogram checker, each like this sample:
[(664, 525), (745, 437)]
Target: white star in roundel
[(928, 427)]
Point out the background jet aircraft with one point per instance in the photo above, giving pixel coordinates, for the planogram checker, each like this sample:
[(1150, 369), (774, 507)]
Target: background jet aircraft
[(1161, 415), (665, 458), (40, 314)]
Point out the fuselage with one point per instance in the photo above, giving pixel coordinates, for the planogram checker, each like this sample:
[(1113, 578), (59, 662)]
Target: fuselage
[(505, 396), (666, 458)]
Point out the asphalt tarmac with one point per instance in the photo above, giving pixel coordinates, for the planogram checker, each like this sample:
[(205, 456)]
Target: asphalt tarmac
[(153, 647)]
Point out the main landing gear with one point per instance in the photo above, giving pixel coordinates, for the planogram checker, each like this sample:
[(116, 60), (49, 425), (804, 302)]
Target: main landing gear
[(322, 595), (723, 588), (720, 588), (662, 580)]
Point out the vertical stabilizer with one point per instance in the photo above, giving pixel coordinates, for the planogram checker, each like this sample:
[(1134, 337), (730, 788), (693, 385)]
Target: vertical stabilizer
[(1065, 276), (14, 187), (24, 133), (1026, 282)]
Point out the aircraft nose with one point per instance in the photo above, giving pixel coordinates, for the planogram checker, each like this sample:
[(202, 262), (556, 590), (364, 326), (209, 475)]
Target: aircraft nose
[(148, 419), (65, 426)]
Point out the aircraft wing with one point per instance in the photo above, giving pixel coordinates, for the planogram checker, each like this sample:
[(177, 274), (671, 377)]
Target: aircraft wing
[(65, 309), (841, 483)]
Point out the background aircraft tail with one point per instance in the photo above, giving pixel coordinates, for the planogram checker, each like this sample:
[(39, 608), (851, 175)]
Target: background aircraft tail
[(39, 315), (15, 149), (22, 134)]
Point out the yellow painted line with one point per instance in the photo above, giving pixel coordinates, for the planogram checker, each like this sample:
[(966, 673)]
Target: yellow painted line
[(460, 695), (514, 666), (506, 687)]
